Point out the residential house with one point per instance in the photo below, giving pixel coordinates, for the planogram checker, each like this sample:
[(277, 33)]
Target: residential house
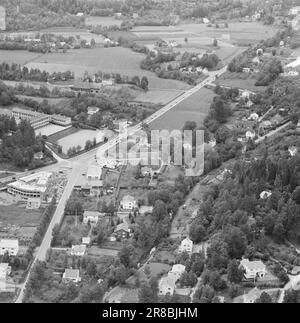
[(122, 231), (293, 151), (250, 135), (92, 110), (294, 11), (71, 275), (38, 156), (253, 269), (128, 203), (166, 286), (86, 240), (206, 20), (253, 117), (9, 246), (186, 246), (146, 171), (176, 272), (78, 250), (91, 217), (265, 194)]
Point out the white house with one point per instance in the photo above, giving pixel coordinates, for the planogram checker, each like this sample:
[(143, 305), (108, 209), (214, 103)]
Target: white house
[(91, 217), (250, 134), (176, 272), (92, 110), (9, 246), (293, 151), (294, 11), (128, 203), (78, 250), (265, 194), (206, 20), (80, 14), (253, 269), (166, 286), (186, 246), (71, 275), (253, 116), (86, 240)]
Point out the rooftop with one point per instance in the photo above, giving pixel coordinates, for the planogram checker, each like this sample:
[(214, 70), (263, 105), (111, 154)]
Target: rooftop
[(71, 273), (253, 265)]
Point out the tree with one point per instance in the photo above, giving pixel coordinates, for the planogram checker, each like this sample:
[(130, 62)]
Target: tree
[(235, 274), (264, 298), (197, 233), (147, 294), (124, 256), (215, 43), (188, 279), (144, 83)]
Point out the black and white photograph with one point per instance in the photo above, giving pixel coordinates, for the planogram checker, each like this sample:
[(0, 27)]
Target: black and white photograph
[(149, 155)]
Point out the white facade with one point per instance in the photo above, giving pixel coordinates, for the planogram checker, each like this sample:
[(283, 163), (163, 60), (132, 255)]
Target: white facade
[(91, 217), (186, 246), (176, 272), (253, 269), (166, 286), (9, 246), (78, 250), (71, 275), (128, 203)]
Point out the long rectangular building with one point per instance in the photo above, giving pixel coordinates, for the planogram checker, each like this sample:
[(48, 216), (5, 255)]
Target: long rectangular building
[(39, 120)]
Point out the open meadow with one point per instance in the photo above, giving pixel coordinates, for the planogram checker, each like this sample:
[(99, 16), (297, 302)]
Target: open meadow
[(102, 59)]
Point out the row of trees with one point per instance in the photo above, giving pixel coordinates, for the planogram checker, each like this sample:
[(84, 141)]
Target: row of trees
[(15, 72)]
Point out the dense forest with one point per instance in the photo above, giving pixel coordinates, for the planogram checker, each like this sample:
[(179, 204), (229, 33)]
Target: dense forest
[(18, 142)]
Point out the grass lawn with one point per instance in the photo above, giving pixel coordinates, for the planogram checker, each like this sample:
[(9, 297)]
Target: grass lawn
[(195, 108), (241, 81), (17, 214)]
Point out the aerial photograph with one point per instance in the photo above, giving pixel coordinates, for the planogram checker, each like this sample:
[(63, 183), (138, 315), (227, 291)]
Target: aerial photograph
[(149, 153)]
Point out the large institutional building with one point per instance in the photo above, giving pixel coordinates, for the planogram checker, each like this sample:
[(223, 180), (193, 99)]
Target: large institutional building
[(2, 18), (32, 186), (40, 120)]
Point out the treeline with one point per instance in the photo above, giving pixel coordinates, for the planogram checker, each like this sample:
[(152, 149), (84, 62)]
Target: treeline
[(15, 72)]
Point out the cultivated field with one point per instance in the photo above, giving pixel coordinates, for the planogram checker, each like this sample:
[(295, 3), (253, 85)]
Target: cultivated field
[(194, 108), (157, 96), (114, 59), (17, 56), (104, 21)]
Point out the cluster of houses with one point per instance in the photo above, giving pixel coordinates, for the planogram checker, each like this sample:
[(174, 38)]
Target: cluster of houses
[(167, 284)]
